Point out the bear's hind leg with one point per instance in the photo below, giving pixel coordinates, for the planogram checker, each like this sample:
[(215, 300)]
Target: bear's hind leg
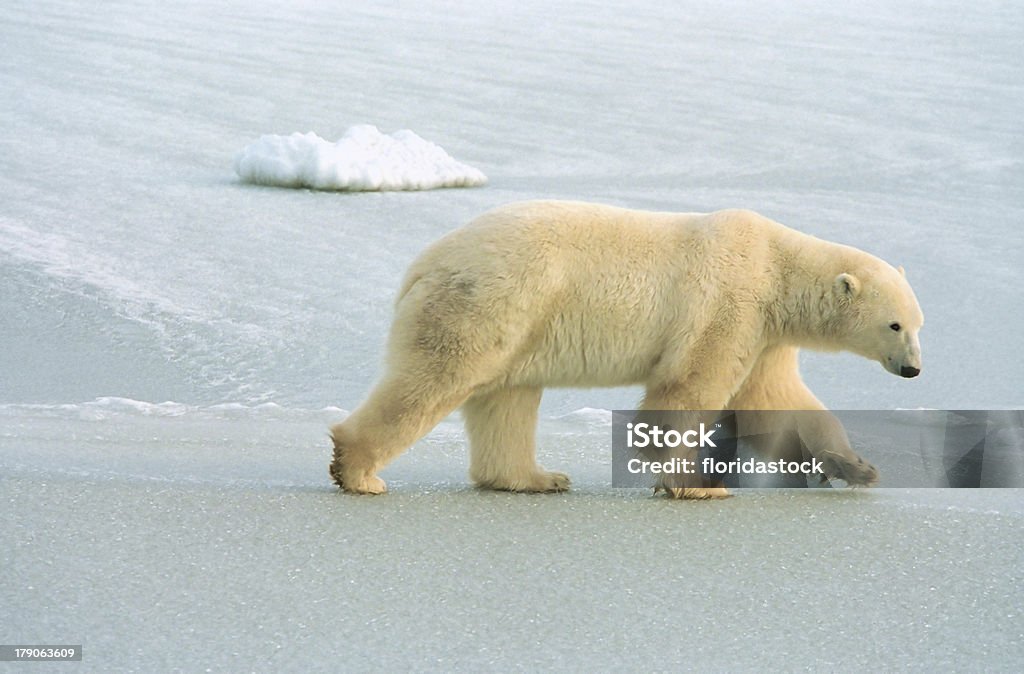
[(502, 425), (397, 413)]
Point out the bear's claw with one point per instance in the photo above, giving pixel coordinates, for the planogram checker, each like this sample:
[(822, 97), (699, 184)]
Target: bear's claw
[(557, 481)]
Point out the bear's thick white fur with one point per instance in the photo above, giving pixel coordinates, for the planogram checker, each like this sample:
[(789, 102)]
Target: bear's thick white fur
[(707, 311)]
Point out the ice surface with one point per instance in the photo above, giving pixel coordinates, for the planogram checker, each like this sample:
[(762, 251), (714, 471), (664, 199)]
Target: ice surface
[(363, 160), (211, 539), (204, 533)]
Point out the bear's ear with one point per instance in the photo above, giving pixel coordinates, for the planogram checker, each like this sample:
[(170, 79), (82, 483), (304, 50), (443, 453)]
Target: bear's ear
[(900, 270), (846, 285)]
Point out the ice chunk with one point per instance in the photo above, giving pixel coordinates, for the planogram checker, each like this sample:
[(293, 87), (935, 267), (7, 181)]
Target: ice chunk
[(363, 160)]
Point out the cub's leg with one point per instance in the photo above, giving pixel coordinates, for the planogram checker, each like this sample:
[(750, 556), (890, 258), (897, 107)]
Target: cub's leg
[(502, 425)]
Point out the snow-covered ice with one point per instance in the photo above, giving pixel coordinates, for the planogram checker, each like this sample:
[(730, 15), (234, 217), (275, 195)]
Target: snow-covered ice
[(174, 343), (363, 160)]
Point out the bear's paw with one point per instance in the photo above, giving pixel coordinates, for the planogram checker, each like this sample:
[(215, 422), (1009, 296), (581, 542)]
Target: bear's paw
[(853, 470), (694, 493), (367, 484)]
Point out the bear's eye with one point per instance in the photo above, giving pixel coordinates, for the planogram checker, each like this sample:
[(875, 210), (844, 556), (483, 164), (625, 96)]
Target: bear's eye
[(896, 327)]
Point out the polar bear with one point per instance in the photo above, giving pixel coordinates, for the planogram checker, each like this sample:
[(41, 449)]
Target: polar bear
[(707, 311)]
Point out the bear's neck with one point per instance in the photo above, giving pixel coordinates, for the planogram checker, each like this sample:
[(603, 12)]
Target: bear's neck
[(803, 310)]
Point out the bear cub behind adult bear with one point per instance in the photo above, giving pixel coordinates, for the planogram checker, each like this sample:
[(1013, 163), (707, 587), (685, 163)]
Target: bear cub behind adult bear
[(707, 311)]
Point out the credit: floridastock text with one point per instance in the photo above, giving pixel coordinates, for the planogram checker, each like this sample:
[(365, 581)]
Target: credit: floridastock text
[(770, 448)]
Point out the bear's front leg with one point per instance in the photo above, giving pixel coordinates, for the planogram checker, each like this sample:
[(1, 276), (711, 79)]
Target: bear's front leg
[(690, 483), (783, 419), (825, 439), (698, 382)]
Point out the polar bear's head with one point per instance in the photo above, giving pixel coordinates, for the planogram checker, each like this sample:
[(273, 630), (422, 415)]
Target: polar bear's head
[(879, 317)]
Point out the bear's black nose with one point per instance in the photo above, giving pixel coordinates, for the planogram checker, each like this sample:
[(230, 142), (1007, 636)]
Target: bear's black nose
[(907, 371)]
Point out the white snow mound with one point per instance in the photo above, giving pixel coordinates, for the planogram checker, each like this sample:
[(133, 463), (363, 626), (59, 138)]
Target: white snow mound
[(363, 160)]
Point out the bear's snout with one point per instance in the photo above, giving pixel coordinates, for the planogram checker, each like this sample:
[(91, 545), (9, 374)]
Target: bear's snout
[(909, 371)]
